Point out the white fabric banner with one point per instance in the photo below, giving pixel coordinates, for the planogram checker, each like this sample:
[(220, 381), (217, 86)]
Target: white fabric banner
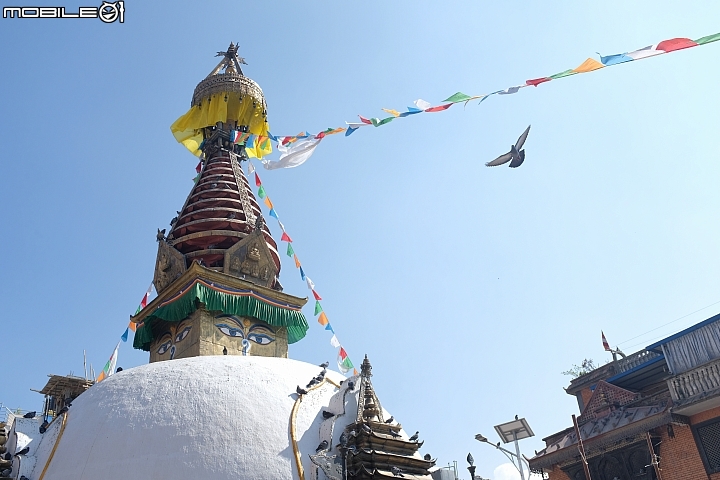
[(422, 104), (335, 342), (294, 155)]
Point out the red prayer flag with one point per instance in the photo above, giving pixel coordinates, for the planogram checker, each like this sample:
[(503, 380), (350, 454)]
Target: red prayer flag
[(439, 108), (317, 297), (675, 44), (343, 353), (606, 345), (199, 167), (286, 238), (320, 135), (257, 180), (537, 81), (364, 120)]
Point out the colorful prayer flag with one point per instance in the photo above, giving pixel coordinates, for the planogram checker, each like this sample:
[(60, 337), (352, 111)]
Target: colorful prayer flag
[(273, 213), (261, 192), (297, 261), (109, 368), (458, 97), (145, 299), (322, 319), (286, 238), (132, 326), (310, 283), (125, 335), (268, 203), (329, 327), (318, 307), (439, 108), (588, 66), (606, 345), (294, 155), (316, 295), (302, 275), (290, 251), (198, 167), (335, 342)]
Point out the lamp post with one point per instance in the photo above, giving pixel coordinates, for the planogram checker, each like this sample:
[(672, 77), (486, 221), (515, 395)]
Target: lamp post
[(511, 432)]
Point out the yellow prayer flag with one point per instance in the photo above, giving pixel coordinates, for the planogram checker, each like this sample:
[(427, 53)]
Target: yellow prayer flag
[(268, 202), (588, 66), (100, 377), (297, 261), (394, 113), (322, 319), (133, 326)]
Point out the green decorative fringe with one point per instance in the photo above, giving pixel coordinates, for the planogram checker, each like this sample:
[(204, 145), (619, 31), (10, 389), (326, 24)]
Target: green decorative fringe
[(227, 303)]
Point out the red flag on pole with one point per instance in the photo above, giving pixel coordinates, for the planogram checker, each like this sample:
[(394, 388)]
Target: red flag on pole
[(606, 345)]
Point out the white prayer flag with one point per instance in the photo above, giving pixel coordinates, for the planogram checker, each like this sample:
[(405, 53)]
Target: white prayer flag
[(251, 167), (310, 283), (422, 104), (293, 155), (335, 342)]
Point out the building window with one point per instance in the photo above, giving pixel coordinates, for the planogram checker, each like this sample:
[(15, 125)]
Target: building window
[(707, 438)]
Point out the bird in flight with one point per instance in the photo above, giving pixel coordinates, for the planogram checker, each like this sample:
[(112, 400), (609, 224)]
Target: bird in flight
[(516, 155)]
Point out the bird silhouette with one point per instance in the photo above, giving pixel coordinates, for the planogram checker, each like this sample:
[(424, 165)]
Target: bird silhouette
[(390, 420), (415, 437), (312, 382), (300, 391), (397, 472), (427, 457), (327, 414), (365, 428), (324, 365), (516, 417), (394, 434), (160, 235), (24, 451), (30, 415), (224, 350), (516, 154), (470, 459), (323, 446), (351, 385)]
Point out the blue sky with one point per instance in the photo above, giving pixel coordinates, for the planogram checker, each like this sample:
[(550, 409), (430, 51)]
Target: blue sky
[(469, 288)]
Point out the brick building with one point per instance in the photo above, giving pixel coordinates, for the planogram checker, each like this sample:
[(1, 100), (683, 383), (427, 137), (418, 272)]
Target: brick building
[(653, 414)]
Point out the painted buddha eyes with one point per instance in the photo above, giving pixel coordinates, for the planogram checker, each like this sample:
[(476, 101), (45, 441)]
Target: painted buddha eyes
[(164, 347), (184, 333), (259, 338), (230, 331)]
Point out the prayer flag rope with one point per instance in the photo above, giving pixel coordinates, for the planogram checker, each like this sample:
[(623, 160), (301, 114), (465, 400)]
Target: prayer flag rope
[(343, 360), (296, 149)]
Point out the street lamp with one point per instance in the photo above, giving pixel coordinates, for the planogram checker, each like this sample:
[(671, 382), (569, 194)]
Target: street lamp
[(511, 432)]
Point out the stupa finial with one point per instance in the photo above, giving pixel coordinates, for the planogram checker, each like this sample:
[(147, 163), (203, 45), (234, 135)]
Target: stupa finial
[(230, 62)]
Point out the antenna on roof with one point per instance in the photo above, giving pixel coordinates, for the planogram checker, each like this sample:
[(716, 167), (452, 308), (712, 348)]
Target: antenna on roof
[(85, 364)]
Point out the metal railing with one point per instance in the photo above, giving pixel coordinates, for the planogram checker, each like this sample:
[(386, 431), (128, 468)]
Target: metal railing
[(694, 382)]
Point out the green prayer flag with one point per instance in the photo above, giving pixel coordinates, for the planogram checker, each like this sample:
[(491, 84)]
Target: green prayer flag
[(195, 180), (290, 251), (377, 122), (708, 39), (318, 307), (261, 192), (566, 73), (458, 97)]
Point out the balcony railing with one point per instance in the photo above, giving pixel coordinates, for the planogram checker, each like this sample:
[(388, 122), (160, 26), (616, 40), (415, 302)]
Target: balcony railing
[(634, 360), (694, 382)]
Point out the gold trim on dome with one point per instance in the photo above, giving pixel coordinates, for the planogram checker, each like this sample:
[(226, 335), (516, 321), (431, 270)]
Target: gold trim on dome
[(57, 442), (224, 83), (293, 427)]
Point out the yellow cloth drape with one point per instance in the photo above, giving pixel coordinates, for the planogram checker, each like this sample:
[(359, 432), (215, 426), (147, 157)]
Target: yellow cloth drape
[(241, 108)]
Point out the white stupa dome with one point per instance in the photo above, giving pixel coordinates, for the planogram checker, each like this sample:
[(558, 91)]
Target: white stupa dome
[(216, 417)]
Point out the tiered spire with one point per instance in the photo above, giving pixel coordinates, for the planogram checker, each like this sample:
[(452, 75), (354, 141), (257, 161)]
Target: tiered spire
[(376, 447)]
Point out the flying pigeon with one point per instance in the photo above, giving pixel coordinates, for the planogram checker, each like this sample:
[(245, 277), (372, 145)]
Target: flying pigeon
[(516, 154), (323, 446), (390, 420), (30, 415), (397, 472), (324, 365), (415, 437), (300, 391), (470, 459), (428, 457)]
